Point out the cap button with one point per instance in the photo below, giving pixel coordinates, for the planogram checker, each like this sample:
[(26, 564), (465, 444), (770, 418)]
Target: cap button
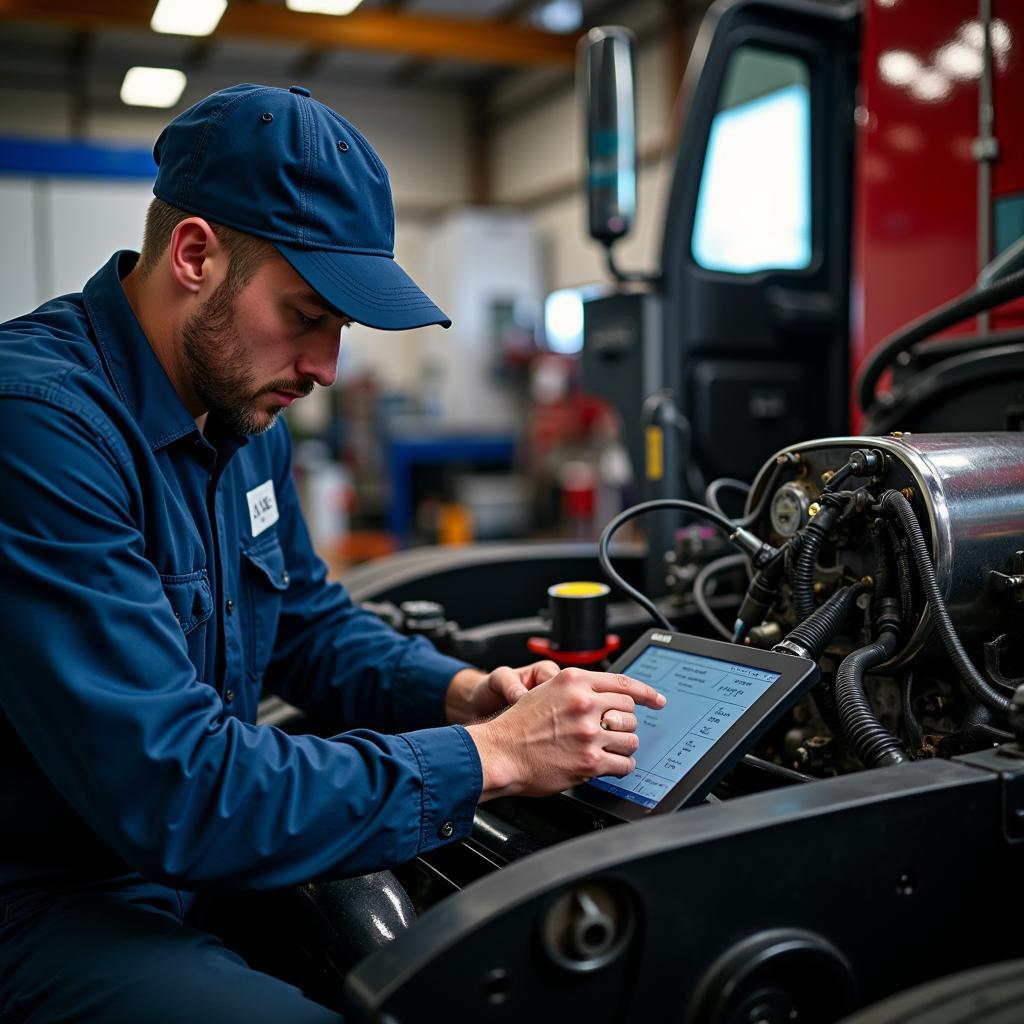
[(299, 90)]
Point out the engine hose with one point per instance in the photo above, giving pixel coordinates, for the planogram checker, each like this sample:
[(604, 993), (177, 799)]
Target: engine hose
[(893, 503), (903, 574), (873, 744), (810, 638), (815, 633), (814, 534), (882, 574), (960, 308), (792, 553)]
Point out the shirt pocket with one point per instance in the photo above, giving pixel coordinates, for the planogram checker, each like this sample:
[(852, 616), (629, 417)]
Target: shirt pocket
[(191, 600), (266, 580)]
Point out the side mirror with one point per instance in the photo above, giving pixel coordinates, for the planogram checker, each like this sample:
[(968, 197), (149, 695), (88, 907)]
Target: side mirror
[(605, 62)]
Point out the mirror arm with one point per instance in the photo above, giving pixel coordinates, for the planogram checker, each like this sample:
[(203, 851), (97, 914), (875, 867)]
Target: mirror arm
[(627, 276)]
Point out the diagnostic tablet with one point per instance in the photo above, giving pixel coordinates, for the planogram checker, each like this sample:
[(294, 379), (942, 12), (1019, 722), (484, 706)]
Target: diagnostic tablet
[(721, 698)]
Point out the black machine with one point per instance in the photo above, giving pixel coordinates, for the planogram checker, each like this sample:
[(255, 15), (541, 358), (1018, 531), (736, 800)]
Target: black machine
[(831, 813)]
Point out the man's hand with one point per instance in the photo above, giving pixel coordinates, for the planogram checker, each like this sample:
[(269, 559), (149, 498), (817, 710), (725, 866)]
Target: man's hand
[(473, 694), (578, 725)]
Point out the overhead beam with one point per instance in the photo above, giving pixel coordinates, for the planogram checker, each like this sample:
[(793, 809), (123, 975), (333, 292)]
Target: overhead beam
[(390, 31), (411, 70)]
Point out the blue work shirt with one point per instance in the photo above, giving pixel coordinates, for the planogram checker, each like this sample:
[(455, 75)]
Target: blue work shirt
[(155, 579)]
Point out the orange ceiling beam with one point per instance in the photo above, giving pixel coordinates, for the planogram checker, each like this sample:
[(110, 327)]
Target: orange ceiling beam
[(425, 36)]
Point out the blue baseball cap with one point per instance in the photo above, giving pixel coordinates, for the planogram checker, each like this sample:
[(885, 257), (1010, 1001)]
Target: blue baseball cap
[(278, 164)]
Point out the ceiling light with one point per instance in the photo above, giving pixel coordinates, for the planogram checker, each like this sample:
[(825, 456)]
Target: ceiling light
[(898, 67), (187, 17), (559, 16), (152, 87), (323, 6)]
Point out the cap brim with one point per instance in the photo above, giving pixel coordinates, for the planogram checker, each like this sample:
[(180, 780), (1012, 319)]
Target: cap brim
[(372, 290)]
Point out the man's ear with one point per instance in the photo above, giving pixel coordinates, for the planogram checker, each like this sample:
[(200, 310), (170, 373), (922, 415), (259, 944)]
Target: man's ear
[(193, 252)]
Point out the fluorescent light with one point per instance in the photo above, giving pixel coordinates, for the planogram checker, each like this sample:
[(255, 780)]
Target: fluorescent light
[(187, 17), (559, 16), (152, 87), (323, 6)]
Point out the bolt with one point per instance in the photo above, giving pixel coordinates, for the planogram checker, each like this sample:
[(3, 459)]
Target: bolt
[(907, 492), (827, 475), (814, 509), (819, 587), (896, 433)]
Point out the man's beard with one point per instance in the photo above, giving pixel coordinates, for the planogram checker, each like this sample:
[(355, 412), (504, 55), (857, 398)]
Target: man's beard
[(217, 360)]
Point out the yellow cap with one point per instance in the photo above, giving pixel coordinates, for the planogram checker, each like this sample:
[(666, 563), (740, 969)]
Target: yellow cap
[(578, 588)]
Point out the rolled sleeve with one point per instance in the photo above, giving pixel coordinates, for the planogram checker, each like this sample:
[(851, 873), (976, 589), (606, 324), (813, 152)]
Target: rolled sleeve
[(452, 780)]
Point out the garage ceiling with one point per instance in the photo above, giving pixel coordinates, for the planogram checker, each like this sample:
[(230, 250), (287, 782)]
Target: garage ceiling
[(84, 47)]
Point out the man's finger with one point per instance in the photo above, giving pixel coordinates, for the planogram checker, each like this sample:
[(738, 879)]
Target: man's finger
[(624, 743), (506, 683), (542, 671), (609, 682), (616, 764), (617, 702), (618, 721)]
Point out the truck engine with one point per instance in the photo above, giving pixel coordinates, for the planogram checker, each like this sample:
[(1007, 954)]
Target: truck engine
[(843, 848), (917, 540)]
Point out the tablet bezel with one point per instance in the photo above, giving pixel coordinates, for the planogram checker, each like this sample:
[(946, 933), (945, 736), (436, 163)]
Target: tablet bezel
[(796, 677)]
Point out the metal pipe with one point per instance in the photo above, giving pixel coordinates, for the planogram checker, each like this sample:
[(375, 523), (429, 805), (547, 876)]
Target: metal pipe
[(985, 149)]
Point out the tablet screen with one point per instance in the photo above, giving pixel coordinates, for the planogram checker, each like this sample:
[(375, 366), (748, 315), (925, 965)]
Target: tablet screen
[(705, 697)]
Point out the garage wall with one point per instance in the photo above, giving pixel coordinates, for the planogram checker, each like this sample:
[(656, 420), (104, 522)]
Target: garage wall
[(59, 230), (537, 157), (423, 136)]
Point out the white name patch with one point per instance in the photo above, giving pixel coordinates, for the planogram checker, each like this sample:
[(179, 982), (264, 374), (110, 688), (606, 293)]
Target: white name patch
[(262, 507)]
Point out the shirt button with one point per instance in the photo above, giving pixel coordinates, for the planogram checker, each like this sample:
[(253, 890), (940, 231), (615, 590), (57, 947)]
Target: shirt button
[(285, 578), (229, 606), (446, 831), (229, 696)]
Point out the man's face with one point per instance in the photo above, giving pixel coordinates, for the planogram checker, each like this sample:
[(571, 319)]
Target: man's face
[(251, 354)]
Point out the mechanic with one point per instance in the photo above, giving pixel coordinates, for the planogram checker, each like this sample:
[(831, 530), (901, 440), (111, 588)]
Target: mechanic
[(158, 574)]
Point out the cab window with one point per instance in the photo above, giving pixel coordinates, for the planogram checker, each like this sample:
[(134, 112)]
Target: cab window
[(754, 204)]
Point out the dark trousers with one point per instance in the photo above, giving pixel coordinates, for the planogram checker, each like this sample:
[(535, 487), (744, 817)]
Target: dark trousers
[(109, 958)]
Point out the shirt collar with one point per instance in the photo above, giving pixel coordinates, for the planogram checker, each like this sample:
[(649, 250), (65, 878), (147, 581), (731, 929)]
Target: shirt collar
[(140, 380)]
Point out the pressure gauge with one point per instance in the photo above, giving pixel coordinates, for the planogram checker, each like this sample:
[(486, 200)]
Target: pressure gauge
[(789, 509)]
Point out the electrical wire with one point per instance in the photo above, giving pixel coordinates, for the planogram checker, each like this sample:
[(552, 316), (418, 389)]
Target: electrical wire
[(677, 504), (911, 726), (892, 503), (710, 570), (767, 492), (724, 483)]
